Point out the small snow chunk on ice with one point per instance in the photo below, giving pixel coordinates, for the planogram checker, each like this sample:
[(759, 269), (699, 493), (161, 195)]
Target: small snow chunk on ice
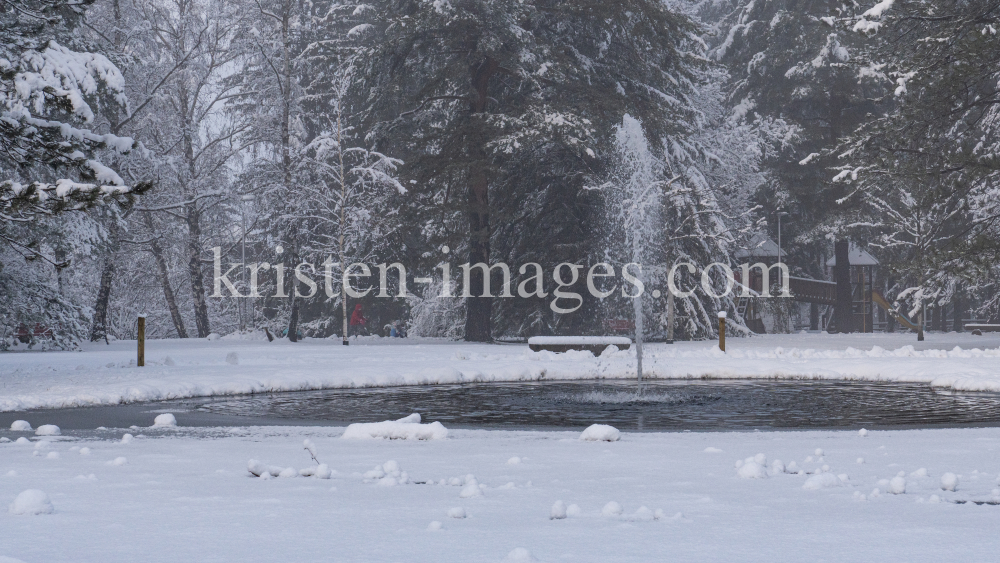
[(165, 420), (821, 481), (31, 502), (863, 432), (600, 433), (750, 468), (435, 526), (922, 472), (558, 511), (897, 485), (949, 482), (20, 426), (861, 460), (456, 512), (84, 451), (118, 461), (48, 430), (514, 461), (232, 358), (52, 455), (612, 509), (471, 490), (407, 428), (127, 439), (519, 555), (4, 439)]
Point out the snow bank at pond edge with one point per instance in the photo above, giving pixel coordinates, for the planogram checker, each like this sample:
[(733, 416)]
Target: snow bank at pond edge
[(102, 376)]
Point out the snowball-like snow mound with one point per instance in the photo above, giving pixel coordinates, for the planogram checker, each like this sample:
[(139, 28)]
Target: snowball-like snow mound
[(20, 426), (897, 485), (949, 482), (519, 555), (165, 420), (435, 526), (48, 430), (127, 439), (863, 432), (31, 502), (407, 428), (558, 511), (600, 433), (471, 489), (821, 481), (612, 509), (232, 358), (118, 462), (22, 440), (456, 512), (752, 467)]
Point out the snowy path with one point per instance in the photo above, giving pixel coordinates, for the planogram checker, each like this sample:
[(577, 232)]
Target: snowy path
[(102, 374), (187, 496)]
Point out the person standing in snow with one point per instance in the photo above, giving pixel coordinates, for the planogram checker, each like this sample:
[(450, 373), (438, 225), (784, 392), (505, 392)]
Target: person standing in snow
[(358, 320)]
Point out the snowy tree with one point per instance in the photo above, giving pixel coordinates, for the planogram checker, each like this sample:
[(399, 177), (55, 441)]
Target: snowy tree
[(792, 74), (922, 176), (503, 110), (50, 162)]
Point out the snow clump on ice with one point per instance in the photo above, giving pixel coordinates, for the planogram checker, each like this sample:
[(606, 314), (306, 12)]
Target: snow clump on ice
[(752, 467), (118, 462), (612, 509), (514, 461), (897, 485), (558, 511), (22, 440), (519, 555), (165, 420), (388, 474), (20, 426), (232, 358), (127, 439), (321, 471), (471, 489), (84, 451), (456, 512), (31, 502), (949, 482), (406, 428), (863, 432), (52, 455), (435, 526), (600, 433), (48, 430), (821, 481)]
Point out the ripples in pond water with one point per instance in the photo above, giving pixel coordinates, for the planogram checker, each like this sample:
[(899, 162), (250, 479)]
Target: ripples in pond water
[(664, 405)]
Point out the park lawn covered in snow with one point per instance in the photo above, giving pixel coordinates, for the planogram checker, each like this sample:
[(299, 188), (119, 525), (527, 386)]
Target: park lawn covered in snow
[(186, 495), (103, 375)]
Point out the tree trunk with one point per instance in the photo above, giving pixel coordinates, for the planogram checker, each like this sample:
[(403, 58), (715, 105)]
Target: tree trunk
[(957, 312), (99, 330), (479, 308), (193, 220), (168, 292)]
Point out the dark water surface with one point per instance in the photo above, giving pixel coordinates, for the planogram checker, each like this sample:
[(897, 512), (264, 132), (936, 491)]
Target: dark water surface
[(664, 405)]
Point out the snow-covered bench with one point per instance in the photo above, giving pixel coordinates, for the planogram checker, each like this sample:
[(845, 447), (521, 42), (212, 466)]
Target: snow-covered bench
[(982, 327), (595, 344)]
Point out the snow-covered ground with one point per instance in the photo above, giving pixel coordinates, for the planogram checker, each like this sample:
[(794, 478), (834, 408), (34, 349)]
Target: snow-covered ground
[(177, 495), (102, 374)]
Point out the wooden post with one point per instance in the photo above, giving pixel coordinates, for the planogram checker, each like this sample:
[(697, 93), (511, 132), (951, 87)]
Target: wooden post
[(140, 359), (722, 331), (842, 311)]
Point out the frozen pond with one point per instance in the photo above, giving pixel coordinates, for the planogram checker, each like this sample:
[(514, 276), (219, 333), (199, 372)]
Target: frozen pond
[(664, 406)]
